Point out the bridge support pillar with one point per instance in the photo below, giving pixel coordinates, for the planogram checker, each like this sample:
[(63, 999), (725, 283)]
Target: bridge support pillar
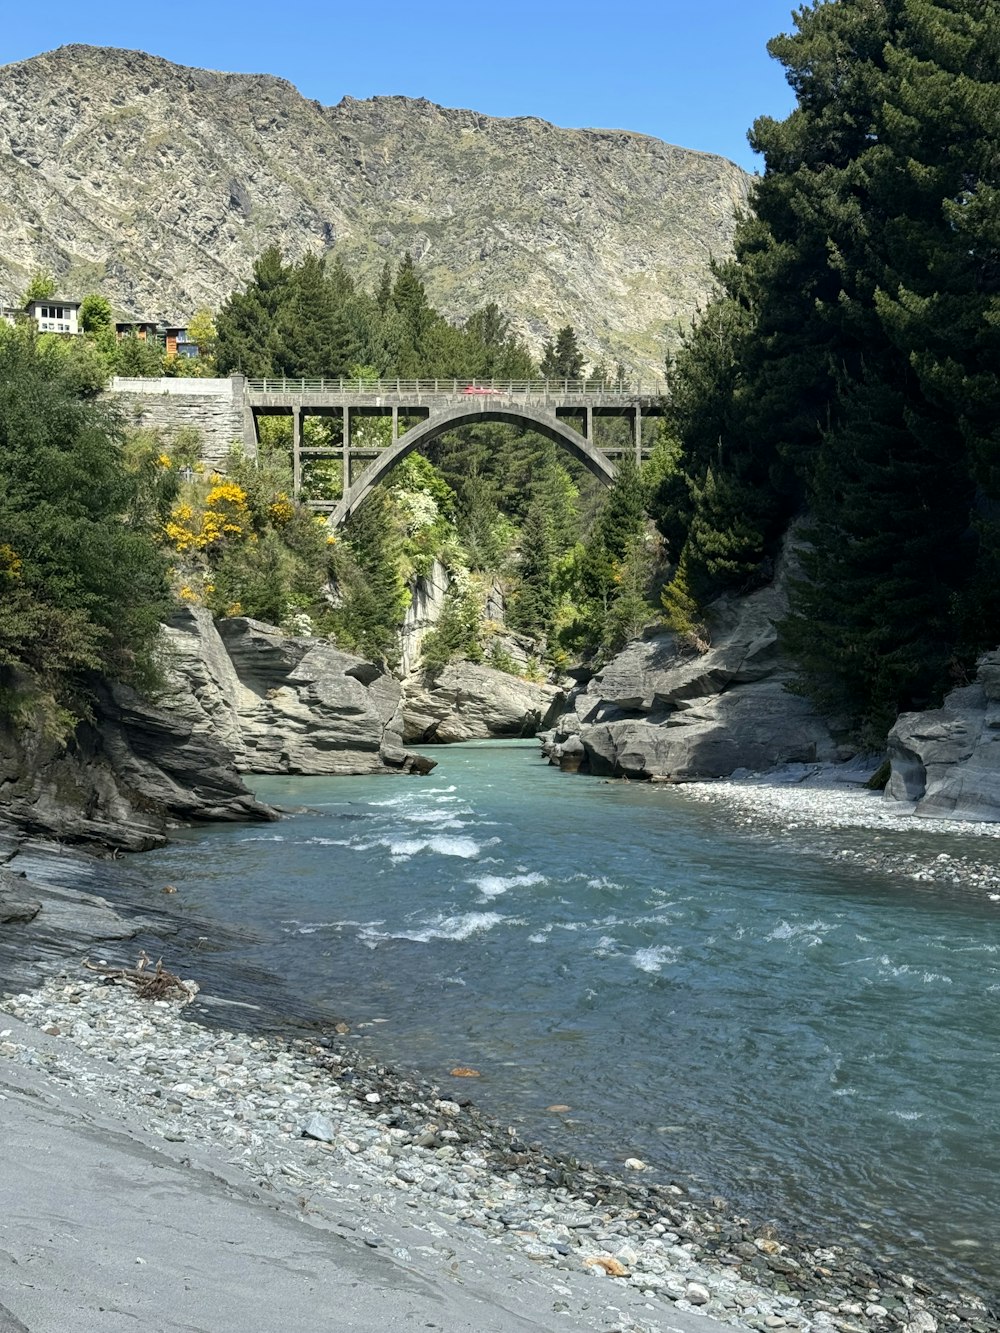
[(588, 423), (395, 420), (346, 442), (296, 451), (637, 435)]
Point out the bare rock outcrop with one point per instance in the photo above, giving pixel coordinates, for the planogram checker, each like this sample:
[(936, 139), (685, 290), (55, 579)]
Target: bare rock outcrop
[(249, 699), (660, 709), (427, 600), (946, 761), (465, 702), (282, 704), (121, 779)]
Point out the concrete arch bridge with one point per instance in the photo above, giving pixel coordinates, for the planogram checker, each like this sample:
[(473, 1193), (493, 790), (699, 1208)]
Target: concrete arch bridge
[(421, 410)]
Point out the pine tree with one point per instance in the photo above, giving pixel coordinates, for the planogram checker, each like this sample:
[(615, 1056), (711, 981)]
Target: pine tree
[(562, 359), (848, 366), (532, 608), (247, 320)]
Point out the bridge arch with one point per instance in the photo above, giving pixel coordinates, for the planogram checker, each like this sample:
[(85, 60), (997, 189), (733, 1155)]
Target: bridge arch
[(438, 423)]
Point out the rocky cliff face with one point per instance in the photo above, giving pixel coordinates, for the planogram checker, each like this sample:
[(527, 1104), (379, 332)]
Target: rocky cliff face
[(947, 760), (247, 699), (281, 704), (159, 184), (660, 710), (121, 781)]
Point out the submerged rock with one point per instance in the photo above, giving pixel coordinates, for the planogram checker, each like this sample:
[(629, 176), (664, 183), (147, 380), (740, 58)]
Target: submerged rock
[(947, 760)]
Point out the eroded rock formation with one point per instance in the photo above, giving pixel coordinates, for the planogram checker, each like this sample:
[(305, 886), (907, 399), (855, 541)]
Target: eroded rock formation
[(463, 702), (947, 760), (122, 779), (282, 704), (661, 709)]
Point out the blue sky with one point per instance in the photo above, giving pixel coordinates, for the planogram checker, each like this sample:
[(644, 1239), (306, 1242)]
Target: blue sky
[(694, 74)]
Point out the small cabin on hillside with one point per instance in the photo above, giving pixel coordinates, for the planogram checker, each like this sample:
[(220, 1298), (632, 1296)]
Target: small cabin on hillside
[(54, 314), (178, 343)]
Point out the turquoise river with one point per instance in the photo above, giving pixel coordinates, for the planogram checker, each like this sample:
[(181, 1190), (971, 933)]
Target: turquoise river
[(816, 1043)]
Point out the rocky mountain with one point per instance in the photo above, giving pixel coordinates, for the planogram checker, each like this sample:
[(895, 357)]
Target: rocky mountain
[(159, 184)]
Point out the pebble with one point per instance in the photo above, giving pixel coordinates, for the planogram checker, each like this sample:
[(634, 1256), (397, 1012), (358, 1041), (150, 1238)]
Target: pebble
[(282, 1107)]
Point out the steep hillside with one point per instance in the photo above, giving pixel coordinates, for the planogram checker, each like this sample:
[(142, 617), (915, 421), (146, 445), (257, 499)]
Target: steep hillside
[(159, 184)]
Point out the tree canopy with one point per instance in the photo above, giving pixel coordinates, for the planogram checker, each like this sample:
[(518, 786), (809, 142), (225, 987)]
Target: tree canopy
[(847, 368), (82, 579)]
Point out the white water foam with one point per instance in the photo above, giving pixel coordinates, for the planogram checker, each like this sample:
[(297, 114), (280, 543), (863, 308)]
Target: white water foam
[(493, 886), (655, 957), (441, 818), (467, 848), (810, 935), (442, 928)]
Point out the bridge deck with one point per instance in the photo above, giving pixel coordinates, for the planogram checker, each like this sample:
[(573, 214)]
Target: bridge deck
[(286, 393)]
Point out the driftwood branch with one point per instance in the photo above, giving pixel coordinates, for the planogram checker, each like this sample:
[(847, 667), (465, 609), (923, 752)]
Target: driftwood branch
[(151, 981)]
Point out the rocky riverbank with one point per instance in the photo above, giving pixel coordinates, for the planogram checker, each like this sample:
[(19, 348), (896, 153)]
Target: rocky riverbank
[(313, 1117), (310, 1124), (828, 805)]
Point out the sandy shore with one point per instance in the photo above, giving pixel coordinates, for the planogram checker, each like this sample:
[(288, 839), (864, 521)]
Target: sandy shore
[(163, 1165)]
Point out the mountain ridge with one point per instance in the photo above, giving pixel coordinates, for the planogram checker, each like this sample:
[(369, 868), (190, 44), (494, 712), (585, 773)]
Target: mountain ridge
[(160, 183)]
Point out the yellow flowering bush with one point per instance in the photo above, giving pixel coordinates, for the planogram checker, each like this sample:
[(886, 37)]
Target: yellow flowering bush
[(225, 515), (183, 529), (281, 510)]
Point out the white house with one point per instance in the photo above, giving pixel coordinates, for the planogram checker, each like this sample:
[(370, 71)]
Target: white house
[(54, 314)]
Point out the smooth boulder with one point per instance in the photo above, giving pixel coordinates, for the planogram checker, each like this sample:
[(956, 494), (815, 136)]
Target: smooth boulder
[(463, 702)]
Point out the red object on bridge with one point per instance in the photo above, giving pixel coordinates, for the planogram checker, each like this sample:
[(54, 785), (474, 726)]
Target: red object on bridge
[(480, 389)]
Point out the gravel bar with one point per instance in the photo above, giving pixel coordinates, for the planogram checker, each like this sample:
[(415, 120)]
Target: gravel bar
[(316, 1122)]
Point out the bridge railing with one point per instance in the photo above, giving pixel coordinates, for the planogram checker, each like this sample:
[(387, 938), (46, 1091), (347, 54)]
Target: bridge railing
[(456, 388)]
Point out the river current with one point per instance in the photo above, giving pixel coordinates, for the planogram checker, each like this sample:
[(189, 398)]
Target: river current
[(817, 1044)]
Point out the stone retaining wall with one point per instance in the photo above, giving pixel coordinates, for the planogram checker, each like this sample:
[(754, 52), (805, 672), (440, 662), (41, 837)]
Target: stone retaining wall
[(214, 407)]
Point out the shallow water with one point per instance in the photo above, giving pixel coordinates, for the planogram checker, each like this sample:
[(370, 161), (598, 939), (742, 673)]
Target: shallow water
[(817, 1045)]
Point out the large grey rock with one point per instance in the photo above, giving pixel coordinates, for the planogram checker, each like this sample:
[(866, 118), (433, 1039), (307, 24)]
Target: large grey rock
[(283, 704), (947, 760), (467, 702), (660, 708), (122, 779), (255, 700)]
